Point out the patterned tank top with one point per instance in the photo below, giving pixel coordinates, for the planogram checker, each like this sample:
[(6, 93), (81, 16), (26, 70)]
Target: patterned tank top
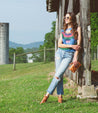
[(68, 39)]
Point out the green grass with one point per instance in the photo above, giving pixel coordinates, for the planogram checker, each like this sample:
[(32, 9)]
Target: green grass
[(22, 90), (94, 65)]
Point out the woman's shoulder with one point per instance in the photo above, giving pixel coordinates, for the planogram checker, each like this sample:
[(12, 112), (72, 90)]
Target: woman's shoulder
[(78, 28)]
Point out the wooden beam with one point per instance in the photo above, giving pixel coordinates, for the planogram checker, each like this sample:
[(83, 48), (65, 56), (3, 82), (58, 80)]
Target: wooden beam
[(53, 5), (93, 5), (70, 6), (60, 15), (63, 11), (84, 13), (76, 6), (56, 32)]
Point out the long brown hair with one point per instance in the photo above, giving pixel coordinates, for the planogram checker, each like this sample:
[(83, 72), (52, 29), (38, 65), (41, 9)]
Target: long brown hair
[(73, 24)]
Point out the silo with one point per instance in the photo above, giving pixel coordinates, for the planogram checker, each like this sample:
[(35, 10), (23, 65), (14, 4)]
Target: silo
[(4, 43)]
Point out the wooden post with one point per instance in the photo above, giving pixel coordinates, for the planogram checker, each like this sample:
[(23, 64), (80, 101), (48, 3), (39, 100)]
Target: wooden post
[(70, 9), (70, 6), (63, 11), (56, 32), (78, 19), (14, 61), (84, 13), (44, 54), (60, 15)]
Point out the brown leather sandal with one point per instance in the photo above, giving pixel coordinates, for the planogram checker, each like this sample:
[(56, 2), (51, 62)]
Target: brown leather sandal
[(44, 99), (60, 99)]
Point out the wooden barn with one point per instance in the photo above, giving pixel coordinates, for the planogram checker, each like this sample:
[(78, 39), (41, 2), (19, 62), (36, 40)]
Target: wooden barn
[(82, 9)]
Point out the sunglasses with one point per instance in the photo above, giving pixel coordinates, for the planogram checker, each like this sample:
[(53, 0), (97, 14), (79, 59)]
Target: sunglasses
[(66, 18)]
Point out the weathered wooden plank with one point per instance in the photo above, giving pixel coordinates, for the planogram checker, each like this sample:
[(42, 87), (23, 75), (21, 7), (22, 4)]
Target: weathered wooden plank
[(56, 32), (84, 13), (60, 15), (76, 6), (52, 5), (70, 6), (78, 19), (63, 11), (93, 5)]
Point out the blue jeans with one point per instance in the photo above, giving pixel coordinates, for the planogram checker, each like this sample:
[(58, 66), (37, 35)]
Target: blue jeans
[(62, 60)]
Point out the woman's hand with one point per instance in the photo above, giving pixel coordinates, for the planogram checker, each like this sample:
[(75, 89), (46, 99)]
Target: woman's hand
[(75, 62), (76, 47)]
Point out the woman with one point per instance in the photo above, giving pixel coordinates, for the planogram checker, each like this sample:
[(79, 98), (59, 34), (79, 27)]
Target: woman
[(68, 47)]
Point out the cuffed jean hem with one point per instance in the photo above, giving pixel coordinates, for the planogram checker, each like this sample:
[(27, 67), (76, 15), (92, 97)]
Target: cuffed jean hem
[(57, 93), (49, 92), (60, 94)]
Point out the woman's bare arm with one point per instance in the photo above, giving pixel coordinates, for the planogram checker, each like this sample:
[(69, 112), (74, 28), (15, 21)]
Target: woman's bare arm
[(78, 43), (60, 45)]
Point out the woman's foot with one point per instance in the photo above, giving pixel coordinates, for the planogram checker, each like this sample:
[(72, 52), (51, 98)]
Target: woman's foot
[(60, 99), (44, 99)]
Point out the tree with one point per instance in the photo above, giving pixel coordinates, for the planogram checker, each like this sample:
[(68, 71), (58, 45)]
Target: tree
[(30, 49), (20, 59), (94, 32), (94, 29), (49, 42), (11, 52)]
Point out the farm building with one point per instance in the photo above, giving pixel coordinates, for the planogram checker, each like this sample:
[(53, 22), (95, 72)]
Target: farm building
[(4, 43), (82, 9)]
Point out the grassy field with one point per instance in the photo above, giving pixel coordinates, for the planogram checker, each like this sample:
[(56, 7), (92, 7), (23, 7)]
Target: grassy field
[(94, 65), (22, 90)]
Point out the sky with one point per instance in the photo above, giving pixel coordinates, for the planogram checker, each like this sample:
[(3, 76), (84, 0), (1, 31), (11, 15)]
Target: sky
[(28, 20)]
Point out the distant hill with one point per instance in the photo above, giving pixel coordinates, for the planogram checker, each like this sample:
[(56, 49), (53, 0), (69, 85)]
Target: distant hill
[(25, 46)]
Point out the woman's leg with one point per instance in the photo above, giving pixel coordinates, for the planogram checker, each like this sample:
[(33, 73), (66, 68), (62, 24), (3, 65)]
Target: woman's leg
[(60, 87), (60, 69), (57, 63), (58, 60), (60, 91), (59, 74)]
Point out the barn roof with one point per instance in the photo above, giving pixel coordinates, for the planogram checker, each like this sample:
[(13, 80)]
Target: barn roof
[(53, 5)]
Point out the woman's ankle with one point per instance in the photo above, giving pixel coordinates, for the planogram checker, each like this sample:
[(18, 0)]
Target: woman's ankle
[(47, 94), (60, 96)]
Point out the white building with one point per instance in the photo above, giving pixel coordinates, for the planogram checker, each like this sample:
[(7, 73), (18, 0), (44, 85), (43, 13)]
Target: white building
[(29, 59)]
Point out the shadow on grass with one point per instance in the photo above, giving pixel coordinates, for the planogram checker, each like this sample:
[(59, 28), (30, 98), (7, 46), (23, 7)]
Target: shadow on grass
[(52, 101), (64, 100)]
